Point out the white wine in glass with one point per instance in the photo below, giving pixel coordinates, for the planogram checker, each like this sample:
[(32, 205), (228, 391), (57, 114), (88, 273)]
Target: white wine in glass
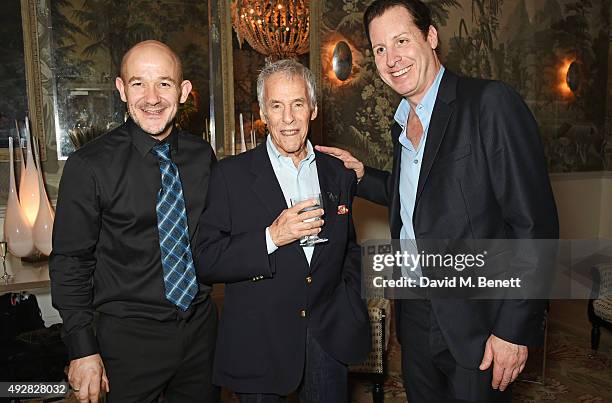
[(310, 240)]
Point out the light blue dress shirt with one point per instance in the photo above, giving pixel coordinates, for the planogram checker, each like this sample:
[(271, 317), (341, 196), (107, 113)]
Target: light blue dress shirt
[(411, 158), (295, 182)]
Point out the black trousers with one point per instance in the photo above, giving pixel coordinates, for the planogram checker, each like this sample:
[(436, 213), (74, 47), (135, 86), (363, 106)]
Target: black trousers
[(144, 358), (325, 380), (429, 371)]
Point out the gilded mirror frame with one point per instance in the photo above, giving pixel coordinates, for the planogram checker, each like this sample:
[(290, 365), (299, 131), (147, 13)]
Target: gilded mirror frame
[(34, 89)]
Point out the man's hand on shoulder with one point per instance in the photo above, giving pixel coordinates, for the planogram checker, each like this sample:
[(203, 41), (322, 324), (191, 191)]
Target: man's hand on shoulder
[(289, 226), (350, 162), (508, 361), (87, 378)]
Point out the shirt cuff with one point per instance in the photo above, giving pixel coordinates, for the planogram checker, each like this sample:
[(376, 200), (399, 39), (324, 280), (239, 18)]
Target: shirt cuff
[(81, 343), (269, 242)]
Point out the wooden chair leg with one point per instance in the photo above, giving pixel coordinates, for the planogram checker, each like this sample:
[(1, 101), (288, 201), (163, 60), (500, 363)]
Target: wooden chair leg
[(595, 334)]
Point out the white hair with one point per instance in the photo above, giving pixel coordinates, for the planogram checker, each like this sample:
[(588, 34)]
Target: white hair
[(291, 68)]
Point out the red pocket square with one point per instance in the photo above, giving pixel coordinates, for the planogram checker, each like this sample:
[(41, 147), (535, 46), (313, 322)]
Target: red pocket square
[(342, 209)]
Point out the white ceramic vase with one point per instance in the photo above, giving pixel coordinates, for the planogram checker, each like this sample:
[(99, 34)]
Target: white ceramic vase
[(29, 196), (17, 229), (42, 230)]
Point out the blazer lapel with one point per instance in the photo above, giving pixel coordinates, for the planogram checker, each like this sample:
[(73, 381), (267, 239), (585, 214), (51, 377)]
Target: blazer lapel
[(437, 128), (265, 185), (330, 193), (395, 221)]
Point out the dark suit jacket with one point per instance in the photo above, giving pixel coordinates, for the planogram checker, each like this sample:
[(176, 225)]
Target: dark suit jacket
[(262, 334), (483, 176)]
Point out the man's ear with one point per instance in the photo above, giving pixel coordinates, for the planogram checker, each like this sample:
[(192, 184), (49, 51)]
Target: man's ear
[(313, 114), (185, 90), (432, 37), (262, 116), (121, 88)]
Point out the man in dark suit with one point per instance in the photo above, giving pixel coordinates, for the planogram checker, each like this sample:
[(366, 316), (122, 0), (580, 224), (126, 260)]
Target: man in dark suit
[(293, 317), (468, 164), (136, 322)]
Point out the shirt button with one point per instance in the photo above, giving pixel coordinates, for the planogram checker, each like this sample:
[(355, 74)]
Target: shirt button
[(416, 161), (309, 279), (303, 313)]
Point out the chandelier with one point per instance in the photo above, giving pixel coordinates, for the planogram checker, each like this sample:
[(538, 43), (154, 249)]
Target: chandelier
[(276, 28)]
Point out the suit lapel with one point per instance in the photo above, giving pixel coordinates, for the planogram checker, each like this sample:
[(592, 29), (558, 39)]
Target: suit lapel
[(265, 185), (437, 127), (394, 207), (330, 193)]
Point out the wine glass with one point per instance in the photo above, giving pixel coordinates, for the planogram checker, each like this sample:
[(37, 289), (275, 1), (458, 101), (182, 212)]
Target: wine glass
[(5, 276), (310, 240)]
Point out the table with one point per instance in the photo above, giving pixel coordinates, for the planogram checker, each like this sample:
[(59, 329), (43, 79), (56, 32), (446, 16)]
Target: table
[(25, 276)]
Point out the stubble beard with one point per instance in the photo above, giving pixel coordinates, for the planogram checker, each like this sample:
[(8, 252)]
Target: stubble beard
[(154, 131)]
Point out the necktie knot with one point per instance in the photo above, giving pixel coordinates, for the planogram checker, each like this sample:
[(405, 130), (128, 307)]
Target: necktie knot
[(162, 151)]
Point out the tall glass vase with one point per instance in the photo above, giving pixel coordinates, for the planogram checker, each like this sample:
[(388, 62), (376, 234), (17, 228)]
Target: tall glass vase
[(29, 196), (43, 225), (17, 230)]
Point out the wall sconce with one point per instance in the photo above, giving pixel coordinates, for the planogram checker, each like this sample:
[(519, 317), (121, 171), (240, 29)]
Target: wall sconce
[(568, 78), (572, 77), (342, 61), (28, 224)]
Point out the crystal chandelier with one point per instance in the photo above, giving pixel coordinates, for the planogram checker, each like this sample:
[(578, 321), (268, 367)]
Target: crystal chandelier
[(276, 28)]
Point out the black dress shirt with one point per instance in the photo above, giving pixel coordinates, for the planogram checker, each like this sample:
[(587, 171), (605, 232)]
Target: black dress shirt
[(106, 254)]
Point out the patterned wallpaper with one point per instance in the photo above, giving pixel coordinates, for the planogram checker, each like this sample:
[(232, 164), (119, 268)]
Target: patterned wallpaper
[(526, 43)]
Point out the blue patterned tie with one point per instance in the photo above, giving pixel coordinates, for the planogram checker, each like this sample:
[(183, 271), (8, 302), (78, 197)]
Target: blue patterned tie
[(179, 272)]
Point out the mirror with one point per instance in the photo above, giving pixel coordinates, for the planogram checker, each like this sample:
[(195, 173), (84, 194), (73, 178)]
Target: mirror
[(14, 101), (23, 76), (342, 60), (89, 40)]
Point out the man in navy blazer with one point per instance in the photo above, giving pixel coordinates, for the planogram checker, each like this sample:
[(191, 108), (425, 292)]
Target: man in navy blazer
[(467, 164), (293, 316)]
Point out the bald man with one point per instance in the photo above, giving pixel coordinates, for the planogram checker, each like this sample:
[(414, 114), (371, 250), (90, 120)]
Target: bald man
[(136, 321)]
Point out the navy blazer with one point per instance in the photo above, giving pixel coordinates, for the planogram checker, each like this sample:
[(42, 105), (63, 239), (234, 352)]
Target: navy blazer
[(262, 332), (483, 176)]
